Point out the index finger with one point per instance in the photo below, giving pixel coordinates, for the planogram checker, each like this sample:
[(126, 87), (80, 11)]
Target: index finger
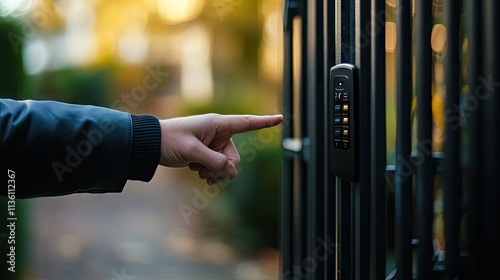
[(244, 123)]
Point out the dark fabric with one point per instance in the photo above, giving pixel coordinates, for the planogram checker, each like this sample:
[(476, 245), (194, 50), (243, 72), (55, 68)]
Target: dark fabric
[(56, 148), (146, 147)]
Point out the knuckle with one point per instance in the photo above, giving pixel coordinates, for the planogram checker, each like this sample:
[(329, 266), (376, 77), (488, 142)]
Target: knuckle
[(220, 162)]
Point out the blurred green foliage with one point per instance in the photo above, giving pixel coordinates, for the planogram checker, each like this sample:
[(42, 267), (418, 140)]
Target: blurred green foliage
[(12, 75), (77, 85)]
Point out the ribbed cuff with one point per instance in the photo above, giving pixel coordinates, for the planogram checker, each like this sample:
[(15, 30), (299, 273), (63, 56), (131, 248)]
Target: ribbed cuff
[(146, 144)]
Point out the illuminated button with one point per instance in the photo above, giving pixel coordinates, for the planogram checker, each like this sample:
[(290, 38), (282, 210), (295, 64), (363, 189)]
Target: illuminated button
[(345, 132), (336, 121), (337, 108), (345, 120), (345, 108), (337, 133)]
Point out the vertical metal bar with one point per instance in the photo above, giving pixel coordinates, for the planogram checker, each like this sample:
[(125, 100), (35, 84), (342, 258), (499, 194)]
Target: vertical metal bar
[(345, 224), (348, 9), (287, 226), (452, 179), (302, 194), (321, 134), (378, 142), (362, 190), (490, 83), (344, 230), (299, 229), (473, 124), (331, 192), (352, 225), (313, 168), (403, 191), (316, 133), (298, 219), (287, 164), (425, 213), (344, 38)]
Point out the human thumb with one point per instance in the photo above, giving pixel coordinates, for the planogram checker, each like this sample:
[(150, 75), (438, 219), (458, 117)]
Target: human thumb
[(216, 162)]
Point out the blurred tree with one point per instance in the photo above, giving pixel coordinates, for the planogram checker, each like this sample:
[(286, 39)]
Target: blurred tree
[(77, 85), (11, 71)]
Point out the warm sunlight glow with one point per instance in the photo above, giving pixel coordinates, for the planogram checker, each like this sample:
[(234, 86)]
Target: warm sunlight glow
[(79, 37), (196, 71), (133, 47), (14, 8), (390, 37), (438, 37), (175, 11), (391, 3), (271, 62)]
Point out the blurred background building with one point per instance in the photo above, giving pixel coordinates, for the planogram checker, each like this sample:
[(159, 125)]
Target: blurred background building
[(168, 58)]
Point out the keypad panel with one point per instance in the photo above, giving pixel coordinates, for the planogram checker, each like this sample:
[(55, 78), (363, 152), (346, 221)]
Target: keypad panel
[(341, 122)]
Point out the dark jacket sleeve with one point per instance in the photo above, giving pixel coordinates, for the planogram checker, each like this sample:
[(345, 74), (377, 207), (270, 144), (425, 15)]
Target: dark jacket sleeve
[(57, 148)]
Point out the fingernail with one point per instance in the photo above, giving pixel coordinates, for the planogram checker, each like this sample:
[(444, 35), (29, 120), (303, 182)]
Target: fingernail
[(281, 118)]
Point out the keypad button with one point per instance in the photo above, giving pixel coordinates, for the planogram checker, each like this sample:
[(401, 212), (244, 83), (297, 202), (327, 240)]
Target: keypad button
[(345, 96), (336, 121), (345, 133), (345, 145), (337, 108), (345, 121), (345, 108), (337, 133)]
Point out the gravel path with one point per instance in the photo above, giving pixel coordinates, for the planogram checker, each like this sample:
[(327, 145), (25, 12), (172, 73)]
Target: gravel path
[(136, 235)]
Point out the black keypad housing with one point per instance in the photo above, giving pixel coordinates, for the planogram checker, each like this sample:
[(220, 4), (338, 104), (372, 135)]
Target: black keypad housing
[(343, 122)]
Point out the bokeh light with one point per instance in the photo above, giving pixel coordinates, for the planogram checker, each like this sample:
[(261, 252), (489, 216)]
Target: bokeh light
[(36, 57), (14, 8), (391, 37), (175, 11), (439, 36)]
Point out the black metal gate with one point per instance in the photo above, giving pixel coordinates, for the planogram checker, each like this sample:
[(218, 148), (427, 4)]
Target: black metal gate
[(426, 201)]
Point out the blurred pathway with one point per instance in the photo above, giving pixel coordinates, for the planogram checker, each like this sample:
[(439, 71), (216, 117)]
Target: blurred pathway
[(136, 235)]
